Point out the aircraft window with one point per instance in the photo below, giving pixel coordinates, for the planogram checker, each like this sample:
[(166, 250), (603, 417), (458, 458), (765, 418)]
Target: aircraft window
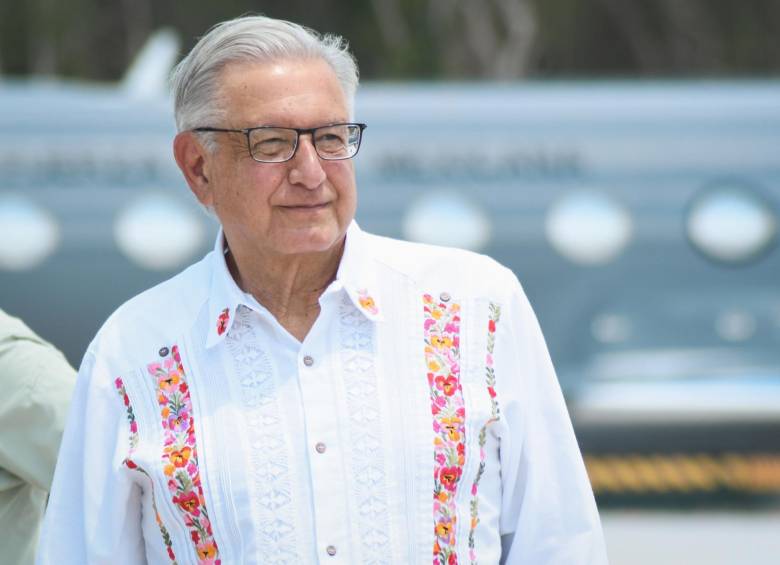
[(611, 328), (731, 224), (447, 218), (28, 233), (158, 233), (588, 227), (736, 325)]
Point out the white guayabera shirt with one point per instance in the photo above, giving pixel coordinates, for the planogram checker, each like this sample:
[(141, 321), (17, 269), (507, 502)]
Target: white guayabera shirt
[(420, 421)]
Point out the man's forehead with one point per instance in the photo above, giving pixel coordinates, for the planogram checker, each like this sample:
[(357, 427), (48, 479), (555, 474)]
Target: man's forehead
[(285, 90)]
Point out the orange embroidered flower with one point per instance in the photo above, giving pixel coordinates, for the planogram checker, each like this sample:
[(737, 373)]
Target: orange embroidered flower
[(441, 342), (443, 530), (180, 458), (207, 550), (453, 431), (366, 302), (169, 382)]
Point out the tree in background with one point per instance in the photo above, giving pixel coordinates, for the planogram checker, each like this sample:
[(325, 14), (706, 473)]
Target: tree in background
[(422, 39)]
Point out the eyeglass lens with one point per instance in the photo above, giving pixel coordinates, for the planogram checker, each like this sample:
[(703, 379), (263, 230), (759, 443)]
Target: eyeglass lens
[(270, 144)]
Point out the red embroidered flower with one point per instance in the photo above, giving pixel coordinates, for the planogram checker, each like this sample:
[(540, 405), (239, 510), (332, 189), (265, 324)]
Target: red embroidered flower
[(448, 385), (222, 321), (188, 502), (450, 476)]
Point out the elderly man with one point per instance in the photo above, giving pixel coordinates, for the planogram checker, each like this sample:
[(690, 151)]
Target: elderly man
[(309, 392)]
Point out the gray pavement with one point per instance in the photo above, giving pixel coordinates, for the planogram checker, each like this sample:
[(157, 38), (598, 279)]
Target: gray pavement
[(692, 538)]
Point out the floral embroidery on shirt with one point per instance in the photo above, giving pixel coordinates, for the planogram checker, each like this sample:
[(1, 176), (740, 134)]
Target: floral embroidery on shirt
[(490, 381), (180, 454), (367, 303), (130, 464), (442, 357), (222, 321)]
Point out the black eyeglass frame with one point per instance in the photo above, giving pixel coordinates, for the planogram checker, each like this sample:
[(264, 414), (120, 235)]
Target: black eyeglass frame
[(298, 132)]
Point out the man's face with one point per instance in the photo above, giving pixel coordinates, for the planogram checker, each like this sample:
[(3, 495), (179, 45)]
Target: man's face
[(300, 206)]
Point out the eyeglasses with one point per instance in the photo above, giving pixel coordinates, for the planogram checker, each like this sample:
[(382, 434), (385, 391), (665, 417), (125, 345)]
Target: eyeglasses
[(269, 144)]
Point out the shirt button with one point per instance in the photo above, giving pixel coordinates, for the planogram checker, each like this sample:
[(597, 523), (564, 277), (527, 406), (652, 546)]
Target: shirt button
[(308, 360), (320, 447), (331, 549), (444, 297)]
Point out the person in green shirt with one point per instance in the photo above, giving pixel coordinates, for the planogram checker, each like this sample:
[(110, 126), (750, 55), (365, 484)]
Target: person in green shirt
[(36, 383)]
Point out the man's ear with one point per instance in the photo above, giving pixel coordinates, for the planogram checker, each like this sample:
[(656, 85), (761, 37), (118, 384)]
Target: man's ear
[(191, 156)]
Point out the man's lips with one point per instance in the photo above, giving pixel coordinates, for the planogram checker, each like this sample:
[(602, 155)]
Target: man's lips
[(310, 206)]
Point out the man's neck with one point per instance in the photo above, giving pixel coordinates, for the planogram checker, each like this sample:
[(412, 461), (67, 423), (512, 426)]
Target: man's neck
[(289, 286)]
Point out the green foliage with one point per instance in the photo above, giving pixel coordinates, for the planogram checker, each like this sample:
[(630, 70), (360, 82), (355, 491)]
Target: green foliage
[(421, 39)]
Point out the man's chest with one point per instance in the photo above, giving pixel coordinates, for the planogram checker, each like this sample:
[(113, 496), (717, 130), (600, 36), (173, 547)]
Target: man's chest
[(368, 442)]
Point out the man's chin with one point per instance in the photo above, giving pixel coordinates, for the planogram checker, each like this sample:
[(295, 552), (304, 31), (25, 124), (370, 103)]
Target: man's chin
[(314, 239)]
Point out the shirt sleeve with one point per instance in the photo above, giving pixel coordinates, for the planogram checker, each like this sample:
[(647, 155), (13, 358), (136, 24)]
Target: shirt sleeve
[(36, 382), (94, 511), (548, 513)]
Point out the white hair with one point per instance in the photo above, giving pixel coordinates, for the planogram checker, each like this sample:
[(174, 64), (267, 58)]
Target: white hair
[(195, 80)]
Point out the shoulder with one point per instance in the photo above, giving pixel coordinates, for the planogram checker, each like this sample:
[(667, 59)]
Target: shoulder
[(156, 316), (12, 328), (26, 358), (436, 268)]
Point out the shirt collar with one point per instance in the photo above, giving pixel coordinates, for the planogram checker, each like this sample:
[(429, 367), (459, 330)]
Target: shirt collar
[(356, 275), (225, 295)]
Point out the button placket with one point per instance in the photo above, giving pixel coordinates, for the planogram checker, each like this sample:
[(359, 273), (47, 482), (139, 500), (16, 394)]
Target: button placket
[(317, 383)]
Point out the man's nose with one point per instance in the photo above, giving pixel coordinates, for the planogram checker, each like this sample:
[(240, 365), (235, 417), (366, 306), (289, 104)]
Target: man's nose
[(306, 167)]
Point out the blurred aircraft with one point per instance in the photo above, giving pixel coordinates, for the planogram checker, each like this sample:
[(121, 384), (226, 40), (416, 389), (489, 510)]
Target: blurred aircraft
[(641, 217)]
